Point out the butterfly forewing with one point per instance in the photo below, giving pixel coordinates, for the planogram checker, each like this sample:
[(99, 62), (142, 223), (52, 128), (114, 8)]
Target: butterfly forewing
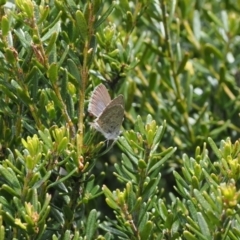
[(99, 100), (110, 121)]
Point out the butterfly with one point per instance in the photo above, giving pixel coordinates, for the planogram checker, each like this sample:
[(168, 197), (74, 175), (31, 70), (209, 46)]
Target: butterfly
[(109, 113)]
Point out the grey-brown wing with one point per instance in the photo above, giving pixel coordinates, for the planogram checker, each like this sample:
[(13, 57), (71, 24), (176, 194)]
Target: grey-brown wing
[(118, 100), (110, 121), (99, 100)]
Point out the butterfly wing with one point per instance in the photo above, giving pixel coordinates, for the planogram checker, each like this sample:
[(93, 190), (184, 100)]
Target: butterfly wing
[(110, 121), (118, 100), (99, 100)]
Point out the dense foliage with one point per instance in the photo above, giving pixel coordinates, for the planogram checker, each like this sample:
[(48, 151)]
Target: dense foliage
[(174, 171)]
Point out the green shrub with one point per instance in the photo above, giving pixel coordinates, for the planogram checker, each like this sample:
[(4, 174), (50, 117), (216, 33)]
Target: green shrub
[(174, 171)]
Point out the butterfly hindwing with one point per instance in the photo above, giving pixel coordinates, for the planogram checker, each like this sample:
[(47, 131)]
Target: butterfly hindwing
[(110, 121), (118, 100)]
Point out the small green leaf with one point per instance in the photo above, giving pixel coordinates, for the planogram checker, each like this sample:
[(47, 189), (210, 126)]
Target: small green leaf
[(129, 21), (26, 6), (63, 178), (180, 179), (189, 236), (4, 203), (44, 215), (150, 187), (82, 25), (97, 6), (183, 63), (202, 200), (210, 49), (39, 183), (46, 137), (197, 25), (127, 162), (146, 231), (168, 154), (67, 235), (11, 178), (143, 218), (159, 134), (149, 119), (91, 224), (112, 204), (64, 83), (11, 55), (51, 43), (203, 225), (214, 148), (2, 232), (34, 198), (62, 145), (121, 175), (76, 236), (104, 16), (54, 237), (195, 182), (125, 145), (44, 14), (142, 164), (210, 179), (8, 218), (130, 196), (25, 41), (111, 201), (54, 30), (137, 204), (162, 209), (53, 72), (169, 220), (74, 71), (5, 26), (58, 215), (214, 18), (24, 96), (140, 125), (150, 136), (192, 210)]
